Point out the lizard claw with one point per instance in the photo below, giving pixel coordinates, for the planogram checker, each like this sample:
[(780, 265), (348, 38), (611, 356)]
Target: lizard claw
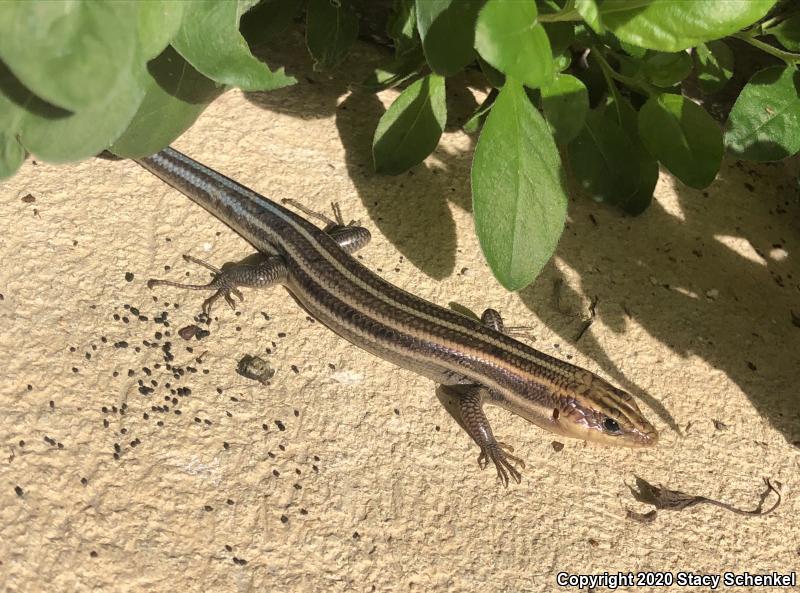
[(227, 291), (504, 461)]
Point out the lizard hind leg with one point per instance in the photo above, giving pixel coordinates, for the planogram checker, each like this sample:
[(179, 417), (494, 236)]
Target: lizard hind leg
[(258, 271), (351, 236), (492, 318)]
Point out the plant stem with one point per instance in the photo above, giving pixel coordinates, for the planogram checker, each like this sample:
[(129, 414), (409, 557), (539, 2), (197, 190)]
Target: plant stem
[(568, 13), (610, 73), (767, 24), (788, 57)]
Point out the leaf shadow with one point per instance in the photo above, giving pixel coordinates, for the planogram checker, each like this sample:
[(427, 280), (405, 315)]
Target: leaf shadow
[(412, 209), (654, 271), (698, 277)]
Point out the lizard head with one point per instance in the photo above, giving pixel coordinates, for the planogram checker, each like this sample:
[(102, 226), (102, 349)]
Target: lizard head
[(601, 413)]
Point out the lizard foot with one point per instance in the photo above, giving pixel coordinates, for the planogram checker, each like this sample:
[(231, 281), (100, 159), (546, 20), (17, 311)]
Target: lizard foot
[(504, 461), (222, 283)]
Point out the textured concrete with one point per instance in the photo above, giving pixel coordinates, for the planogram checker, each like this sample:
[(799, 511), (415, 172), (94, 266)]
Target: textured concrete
[(345, 474)]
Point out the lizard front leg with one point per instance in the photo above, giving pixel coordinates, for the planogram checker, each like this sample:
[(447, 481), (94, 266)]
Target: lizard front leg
[(261, 270), (465, 404)]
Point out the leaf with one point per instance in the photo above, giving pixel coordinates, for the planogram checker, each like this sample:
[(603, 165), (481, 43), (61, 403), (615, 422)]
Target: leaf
[(495, 78), (674, 500), (331, 28), (58, 136), (12, 155), (667, 69), (669, 25), (590, 13), (474, 123), (561, 36), (633, 50), (508, 37), (593, 79), (714, 65), (245, 6), (601, 157), (517, 194), (565, 102), (447, 30), (683, 136), (631, 67), (788, 33), (410, 129), (209, 40), (621, 112), (764, 124), (12, 96), (175, 96), (267, 19), (402, 27), (159, 21), (398, 71), (69, 53)]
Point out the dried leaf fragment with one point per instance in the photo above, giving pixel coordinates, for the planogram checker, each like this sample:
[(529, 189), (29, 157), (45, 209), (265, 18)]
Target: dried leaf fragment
[(674, 500)]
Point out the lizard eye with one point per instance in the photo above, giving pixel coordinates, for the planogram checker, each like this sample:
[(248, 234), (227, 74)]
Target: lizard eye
[(611, 425)]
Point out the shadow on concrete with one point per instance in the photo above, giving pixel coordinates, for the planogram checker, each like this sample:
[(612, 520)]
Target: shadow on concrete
[(726, 301), (666, 272), (411, 210)]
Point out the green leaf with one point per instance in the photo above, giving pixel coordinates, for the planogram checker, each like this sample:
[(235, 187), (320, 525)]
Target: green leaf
[(764, 124), (509, 38), (622, 113), (402, 27), (550, 6), (670, 25), (159, 21), (788, 33), (631, 67), (495, 78), (447, 30), (175, 96), (12, 155), (267, 19), (667, 69), (69, 53), (245, 6), (410, 129), (565, 102), (601, 157), (517, 193), (12, 97), (714, 65), (684, 137), (593, 79), (590, 13), (331, 28), (561, 36), (562, 61), (474, 123), (209, 40), (401, 69), (633, 50), (58, 136)]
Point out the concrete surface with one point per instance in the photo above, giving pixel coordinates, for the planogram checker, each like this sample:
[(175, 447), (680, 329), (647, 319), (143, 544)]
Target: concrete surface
[(345, 474)]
